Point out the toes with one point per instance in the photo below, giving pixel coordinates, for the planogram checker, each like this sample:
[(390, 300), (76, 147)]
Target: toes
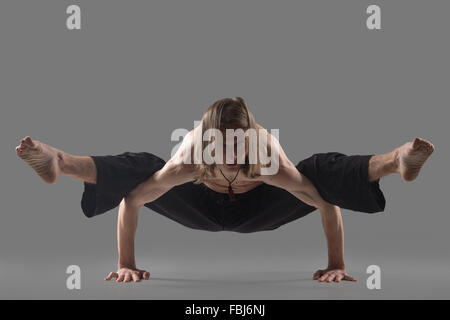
[(23, 143), (428, 147), (416, 143), (422, 145), (419, 143), (29, 141), (22, 147)]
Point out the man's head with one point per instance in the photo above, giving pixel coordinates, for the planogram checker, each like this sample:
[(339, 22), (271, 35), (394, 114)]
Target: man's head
[(228, 113)]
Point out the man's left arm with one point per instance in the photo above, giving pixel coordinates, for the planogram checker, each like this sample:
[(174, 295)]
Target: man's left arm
[(290, 179), (334, 231)]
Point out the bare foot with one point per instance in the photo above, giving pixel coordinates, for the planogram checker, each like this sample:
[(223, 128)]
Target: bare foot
[(41, 157), (411, 156)]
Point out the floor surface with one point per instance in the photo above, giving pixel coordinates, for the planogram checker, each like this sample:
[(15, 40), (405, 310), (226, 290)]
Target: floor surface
[(225, 279)]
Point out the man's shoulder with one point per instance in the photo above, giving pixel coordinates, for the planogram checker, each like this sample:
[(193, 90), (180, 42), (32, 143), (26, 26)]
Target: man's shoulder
[(184, 153), (178, 167), (285, 175)]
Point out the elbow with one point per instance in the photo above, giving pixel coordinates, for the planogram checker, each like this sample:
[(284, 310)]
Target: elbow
[(327, 208), (132, 200)]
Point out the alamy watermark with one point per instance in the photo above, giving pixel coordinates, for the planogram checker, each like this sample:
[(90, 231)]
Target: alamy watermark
[(213, 152), (73, 281), (73, 20), (374, 280)]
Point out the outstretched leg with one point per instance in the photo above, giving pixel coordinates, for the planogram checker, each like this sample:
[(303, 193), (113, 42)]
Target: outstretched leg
[(407, 160), (49, 162)]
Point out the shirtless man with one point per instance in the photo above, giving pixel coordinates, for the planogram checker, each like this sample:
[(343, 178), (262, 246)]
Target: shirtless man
[(176, 175)]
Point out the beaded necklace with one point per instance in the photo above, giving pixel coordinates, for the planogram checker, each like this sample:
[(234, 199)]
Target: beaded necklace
[(230, 189)]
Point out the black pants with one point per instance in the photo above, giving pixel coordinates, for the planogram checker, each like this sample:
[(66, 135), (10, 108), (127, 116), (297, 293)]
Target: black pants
[(340, 179)]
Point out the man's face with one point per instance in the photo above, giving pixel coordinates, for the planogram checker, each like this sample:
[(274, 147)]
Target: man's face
[(238, 145)]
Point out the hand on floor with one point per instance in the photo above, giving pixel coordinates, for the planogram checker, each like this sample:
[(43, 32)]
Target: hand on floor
[(128, 274), (332, 274)]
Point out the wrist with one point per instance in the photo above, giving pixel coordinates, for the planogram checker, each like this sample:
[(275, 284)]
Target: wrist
[(333, 265), (126, 264)]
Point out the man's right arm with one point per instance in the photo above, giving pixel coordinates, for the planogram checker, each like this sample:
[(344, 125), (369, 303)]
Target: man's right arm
[(173, 173)]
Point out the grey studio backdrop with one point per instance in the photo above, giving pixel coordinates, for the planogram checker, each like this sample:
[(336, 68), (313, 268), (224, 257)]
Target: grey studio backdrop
[(137, 70)]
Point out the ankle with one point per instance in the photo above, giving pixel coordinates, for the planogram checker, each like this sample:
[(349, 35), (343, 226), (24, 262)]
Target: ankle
[(394, 164), (64, 162)]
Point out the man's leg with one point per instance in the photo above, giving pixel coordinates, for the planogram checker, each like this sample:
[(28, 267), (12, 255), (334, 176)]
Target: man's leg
[(49, 162), (407, 160)]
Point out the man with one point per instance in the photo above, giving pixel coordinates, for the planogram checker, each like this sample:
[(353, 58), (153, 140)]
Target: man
[(231, 194)]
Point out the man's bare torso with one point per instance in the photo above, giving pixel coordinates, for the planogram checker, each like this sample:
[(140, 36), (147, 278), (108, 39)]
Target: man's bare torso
[(218, 183), (240, 185)]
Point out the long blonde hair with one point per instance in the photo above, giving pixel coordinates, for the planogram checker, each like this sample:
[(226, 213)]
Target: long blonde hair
[(226, 112)]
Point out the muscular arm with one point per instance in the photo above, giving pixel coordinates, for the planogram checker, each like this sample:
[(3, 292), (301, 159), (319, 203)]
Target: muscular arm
[(174, 173), (291, 179), (151, 189), (334, 232)]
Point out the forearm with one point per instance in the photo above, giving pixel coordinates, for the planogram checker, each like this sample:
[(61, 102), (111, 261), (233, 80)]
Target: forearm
[(331, 221), (334, 231), (126, 229), (147, 191)]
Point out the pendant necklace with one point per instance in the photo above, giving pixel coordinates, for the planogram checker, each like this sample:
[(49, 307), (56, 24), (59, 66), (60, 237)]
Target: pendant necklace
[(230, 189)]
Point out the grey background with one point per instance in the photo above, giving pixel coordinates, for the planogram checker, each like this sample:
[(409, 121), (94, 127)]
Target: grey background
[(139, 69)]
